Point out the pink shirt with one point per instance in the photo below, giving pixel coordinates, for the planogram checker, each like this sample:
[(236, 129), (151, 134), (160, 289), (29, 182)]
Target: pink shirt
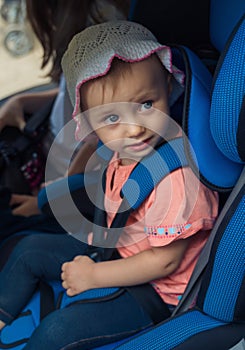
[(180, 206)]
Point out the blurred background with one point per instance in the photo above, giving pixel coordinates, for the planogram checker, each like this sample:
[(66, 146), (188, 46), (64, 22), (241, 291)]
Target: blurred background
[(20, 52)]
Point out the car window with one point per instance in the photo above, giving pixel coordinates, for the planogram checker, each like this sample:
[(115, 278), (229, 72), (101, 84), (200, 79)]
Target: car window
[(20, 52)]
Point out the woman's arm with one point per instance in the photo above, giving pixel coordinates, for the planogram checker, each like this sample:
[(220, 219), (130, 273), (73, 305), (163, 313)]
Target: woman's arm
[(13, 110), (24, 205), (83, 273)]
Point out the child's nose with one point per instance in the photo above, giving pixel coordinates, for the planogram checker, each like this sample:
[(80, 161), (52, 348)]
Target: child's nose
[(134, 130)]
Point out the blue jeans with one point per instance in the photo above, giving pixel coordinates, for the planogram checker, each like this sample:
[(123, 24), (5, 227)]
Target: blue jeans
[(36, 257), (84, 325), (91, 323)]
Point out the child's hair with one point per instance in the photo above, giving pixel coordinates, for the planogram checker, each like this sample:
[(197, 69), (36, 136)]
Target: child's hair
[(120, 69)]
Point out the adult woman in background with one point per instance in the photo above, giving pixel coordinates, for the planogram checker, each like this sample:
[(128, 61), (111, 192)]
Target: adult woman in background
[(55, 23)]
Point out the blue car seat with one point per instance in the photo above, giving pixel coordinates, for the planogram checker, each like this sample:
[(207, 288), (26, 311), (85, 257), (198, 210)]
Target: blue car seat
[(212, 164), (218, 282), (56, 194)]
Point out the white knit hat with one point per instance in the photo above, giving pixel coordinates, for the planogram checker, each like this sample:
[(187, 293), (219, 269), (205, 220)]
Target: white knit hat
[(90, 53)]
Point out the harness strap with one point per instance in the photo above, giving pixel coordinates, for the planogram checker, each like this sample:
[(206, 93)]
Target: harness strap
[(144, 177), (150, 301), (47, 303)]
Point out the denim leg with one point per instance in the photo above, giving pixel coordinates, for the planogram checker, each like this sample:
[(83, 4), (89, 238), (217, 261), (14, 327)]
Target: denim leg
[(35, 257), (90, 323)]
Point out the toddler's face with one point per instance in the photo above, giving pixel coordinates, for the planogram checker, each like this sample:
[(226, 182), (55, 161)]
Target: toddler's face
[(131, 115)]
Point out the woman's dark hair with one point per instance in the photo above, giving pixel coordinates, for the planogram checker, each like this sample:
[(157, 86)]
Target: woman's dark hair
[(55, 22)]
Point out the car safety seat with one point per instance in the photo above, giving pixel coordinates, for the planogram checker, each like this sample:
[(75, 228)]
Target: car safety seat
[(218, 283)]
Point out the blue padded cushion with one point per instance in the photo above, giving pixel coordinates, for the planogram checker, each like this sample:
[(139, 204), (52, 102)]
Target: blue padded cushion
[(17, 333), (202, 150), (173, 332), (87, 295)]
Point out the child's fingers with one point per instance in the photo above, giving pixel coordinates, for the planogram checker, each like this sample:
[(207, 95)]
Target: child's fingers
[(62, 276), (64, 266), (78, 257), (70, 292), (65, 285)]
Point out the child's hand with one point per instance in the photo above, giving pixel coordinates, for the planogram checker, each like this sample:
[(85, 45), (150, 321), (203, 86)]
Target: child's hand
[(76, 275)]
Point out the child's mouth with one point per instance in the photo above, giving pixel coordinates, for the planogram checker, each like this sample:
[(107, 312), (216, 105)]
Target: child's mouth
[(140, 146)]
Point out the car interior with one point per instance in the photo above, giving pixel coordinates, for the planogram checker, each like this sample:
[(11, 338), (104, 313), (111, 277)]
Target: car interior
[(207, 39)]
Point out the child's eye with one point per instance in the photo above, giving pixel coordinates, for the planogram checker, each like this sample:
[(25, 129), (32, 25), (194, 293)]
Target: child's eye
[(146, 106), (112, 119)]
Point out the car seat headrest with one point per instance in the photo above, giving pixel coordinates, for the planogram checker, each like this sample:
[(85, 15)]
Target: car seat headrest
[(227, 116), (201, 150), (213, 117), (224, 14)]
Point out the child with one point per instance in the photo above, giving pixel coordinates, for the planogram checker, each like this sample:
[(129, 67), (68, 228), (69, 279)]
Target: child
[(121, 82)]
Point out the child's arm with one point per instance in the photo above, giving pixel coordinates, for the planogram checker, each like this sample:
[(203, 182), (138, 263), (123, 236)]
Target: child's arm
[(83, 273)]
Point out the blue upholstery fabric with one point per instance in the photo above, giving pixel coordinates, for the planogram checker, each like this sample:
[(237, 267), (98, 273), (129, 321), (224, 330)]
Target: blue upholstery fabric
[(90, 294), (173, 332), (224, 281), (214, 138), (227, 102)]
